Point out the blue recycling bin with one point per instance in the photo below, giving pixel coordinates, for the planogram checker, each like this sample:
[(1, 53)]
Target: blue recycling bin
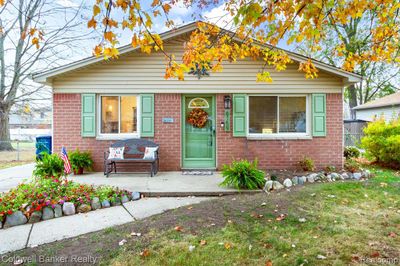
[(43, 144)]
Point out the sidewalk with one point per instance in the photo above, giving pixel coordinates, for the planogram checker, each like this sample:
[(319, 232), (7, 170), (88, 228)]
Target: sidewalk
[(11, 177), (31, 235)]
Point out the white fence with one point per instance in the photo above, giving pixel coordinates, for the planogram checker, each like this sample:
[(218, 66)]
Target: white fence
[(27, 134)]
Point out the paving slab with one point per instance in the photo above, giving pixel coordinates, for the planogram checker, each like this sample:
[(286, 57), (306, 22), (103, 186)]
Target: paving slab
[(14, 238), (150, 206), (75, 225)]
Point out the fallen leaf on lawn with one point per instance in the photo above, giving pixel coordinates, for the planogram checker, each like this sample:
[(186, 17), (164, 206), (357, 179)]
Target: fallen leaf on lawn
[(191, 248), (355, 258), (384, 184), (203, 242), (122, 242), (321, 257), (267, 245), (284, 255), (268, 263), (189, 208), (135, 234), (145, 253), (280, 217), (375, 254), (392, 234), (230, 221), (227, 245), (263, 204), (250, 247), (302, 220), (178, 228)]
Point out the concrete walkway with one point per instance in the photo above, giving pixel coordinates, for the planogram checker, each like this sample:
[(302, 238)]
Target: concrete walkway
[(11, 177), (164, 184), (31, 235)]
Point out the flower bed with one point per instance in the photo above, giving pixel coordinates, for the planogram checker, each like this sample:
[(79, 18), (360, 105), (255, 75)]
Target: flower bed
[(47, 198)]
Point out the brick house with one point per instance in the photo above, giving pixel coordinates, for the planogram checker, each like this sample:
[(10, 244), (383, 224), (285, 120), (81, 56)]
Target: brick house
[(96, 102)]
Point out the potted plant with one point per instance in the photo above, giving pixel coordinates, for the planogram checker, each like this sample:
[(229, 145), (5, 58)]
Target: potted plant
[(80, 161), (49, 166)]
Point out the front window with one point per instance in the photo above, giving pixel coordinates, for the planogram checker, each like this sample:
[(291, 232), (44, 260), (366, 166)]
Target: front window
[(277, 114), (118, 114)]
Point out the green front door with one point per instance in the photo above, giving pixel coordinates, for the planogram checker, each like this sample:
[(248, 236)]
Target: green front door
[(198, 144)]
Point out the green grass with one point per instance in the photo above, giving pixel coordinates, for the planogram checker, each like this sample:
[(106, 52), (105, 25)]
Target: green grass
[(345, 222)]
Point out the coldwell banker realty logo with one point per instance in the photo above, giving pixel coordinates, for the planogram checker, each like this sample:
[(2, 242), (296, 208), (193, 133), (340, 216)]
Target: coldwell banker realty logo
[(19, 260)]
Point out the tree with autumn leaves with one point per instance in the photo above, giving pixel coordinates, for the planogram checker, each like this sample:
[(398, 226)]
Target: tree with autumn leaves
[(32, 41), (255, 27)]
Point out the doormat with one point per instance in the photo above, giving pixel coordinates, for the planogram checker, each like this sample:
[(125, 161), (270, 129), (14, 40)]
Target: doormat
[(197, 172)]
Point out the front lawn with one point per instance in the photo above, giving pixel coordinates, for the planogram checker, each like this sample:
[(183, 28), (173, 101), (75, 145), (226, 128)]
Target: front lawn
[(318, 224)]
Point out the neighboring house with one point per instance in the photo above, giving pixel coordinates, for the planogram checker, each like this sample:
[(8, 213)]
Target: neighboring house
[(387, 107), (26, 126), (96, 102)]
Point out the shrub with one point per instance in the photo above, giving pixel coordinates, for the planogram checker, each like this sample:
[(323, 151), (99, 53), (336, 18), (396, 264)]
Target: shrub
[(382, 141), (352, 166), (243, 174), (351, 152), (49, 166), (307, 164), (80, 160)]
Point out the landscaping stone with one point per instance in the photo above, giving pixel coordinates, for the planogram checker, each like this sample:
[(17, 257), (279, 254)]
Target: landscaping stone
[(345, 176), (105, 204), (268, 185), (57, 211), (287, 182), (116, 202), (84, 208), (95, 203), (366, 174), (17, 218), (135, 195), (310, 178), (36, 216), (1, 225), (48, 213), (329, 178), (68, 208), (321, 176), (295, 180), (357, 176), (276, 185), (335, 176), (124, 199)]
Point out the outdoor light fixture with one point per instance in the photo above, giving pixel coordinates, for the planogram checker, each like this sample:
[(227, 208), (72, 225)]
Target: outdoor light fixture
[(227, 102)]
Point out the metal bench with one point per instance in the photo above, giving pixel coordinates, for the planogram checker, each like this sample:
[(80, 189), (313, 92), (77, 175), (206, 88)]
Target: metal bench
[(133, 153)]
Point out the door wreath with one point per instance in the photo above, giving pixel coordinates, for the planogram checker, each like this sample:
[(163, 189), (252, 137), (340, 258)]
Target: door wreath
[(198, 118)]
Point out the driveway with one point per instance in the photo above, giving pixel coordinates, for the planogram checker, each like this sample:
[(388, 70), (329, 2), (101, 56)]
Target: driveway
[(11, 177)]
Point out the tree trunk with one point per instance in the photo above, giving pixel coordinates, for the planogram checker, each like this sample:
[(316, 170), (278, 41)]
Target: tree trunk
[(5, 143), (352, 100)]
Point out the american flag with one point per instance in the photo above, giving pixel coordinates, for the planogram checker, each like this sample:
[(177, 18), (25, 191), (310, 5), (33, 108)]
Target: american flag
[(64, 157)]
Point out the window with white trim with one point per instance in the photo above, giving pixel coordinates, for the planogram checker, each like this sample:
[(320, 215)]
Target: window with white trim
[(278, 115), (118, 114)]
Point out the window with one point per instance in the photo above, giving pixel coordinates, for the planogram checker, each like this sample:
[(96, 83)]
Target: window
[(118, 114), (277, 115)]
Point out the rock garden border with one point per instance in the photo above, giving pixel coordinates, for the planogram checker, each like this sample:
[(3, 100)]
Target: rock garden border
[(271, 185)]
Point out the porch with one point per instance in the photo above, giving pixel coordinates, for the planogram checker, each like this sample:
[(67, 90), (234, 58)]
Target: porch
[(164, 184)]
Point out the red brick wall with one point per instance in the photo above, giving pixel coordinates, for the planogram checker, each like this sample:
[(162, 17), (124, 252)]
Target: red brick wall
[(272, 154)]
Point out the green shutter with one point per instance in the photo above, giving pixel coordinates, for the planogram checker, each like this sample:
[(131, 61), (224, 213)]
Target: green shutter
[(239, 115), (319, 115), (147, 116), (88, 123)]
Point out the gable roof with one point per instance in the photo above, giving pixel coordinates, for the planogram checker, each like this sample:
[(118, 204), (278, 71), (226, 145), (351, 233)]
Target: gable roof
[(390, 100), (46, 76)]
